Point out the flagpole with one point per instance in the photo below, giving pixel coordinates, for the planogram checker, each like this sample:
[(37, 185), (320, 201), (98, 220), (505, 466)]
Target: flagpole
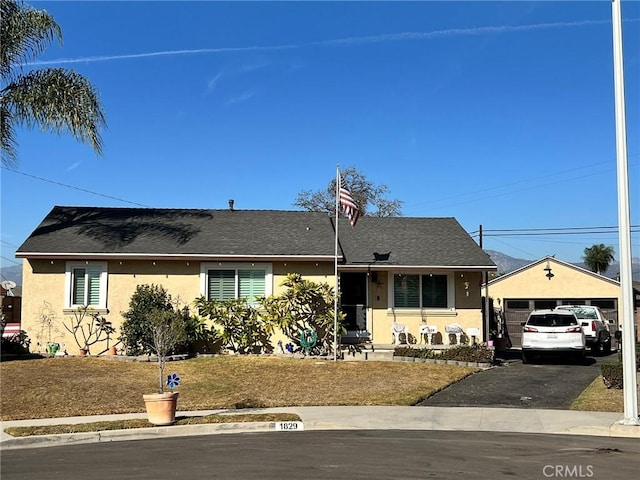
[(335, 271)]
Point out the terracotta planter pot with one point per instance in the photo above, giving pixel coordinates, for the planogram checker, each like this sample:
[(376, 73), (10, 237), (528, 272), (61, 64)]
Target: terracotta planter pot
[(83, 352), (161, 407), (113, 351)]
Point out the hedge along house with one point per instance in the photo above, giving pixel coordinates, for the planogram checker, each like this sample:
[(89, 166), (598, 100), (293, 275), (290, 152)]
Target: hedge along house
[(406, 269)]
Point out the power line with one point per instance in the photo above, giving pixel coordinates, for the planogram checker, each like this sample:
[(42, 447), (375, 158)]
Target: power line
[(554, 229), (74, 188), (10, 260), (550, 231), (534, 234)]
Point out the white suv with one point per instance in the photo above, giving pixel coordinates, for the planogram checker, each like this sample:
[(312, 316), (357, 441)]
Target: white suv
[(552, 331)]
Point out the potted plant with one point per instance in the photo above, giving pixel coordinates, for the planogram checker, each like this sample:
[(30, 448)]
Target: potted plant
[(167, 330)]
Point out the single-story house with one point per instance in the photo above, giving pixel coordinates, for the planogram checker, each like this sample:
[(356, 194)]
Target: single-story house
[(547, 283), (408, 270)]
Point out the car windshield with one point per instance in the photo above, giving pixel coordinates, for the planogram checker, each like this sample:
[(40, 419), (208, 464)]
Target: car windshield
[(552, 320), (583, 313)]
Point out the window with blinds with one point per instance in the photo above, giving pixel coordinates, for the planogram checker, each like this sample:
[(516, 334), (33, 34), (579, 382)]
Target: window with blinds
[(221, 284), (227, 284), (434, 291), (87, 285), (420, 291), (406, 291)]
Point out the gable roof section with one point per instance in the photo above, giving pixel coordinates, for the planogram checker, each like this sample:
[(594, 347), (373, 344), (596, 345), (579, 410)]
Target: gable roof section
[(94, 232), (556, 261), (411, 242)]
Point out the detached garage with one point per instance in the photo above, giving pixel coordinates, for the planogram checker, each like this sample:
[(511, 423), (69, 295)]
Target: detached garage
[(548, 283)]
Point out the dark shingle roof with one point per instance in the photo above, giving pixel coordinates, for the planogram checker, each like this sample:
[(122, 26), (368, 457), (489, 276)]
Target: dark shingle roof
[(433, 242), (181, 232), (429, 242)]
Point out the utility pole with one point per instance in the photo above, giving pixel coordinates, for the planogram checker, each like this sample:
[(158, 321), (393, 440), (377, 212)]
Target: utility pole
[(485, 281)]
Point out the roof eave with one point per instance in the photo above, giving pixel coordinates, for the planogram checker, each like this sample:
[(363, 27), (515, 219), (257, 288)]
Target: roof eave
[(388, 267), (176, 256)]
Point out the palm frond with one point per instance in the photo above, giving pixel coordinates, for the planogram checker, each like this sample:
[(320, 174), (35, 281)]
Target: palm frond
[(25, 33), (57, 100), (8, 145)]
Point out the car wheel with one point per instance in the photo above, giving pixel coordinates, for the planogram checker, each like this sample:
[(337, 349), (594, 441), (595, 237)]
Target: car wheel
[(606, 348)]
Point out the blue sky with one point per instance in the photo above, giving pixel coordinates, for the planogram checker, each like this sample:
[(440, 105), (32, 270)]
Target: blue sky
[(495, 113)]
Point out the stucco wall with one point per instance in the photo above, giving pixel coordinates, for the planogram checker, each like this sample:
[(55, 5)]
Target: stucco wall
[(467, 311), (567, 282), (44, 291)]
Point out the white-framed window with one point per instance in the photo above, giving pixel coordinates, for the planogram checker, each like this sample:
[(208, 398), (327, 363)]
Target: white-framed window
[(86, 284), (227, 281), (413, 290)]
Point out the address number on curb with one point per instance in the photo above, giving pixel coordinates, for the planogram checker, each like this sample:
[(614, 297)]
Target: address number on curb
[(289, 426)]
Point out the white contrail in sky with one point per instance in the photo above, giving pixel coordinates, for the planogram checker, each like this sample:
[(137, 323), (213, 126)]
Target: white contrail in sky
[(391, 37)]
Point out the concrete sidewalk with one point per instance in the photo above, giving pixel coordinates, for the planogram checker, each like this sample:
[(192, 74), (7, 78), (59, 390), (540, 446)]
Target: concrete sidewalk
[(567, 422)]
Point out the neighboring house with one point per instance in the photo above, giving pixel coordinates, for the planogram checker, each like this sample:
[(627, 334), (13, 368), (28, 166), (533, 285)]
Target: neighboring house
[(11, 311), (409, 270), (547, 283)]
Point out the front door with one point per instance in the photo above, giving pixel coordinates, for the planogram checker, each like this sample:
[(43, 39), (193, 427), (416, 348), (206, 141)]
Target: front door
[(353, 301)]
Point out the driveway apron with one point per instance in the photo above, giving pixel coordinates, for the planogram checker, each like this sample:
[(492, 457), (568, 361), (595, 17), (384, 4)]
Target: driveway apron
[(549, 384)]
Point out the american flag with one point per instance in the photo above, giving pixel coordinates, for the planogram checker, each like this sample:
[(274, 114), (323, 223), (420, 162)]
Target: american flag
[(348, 204)]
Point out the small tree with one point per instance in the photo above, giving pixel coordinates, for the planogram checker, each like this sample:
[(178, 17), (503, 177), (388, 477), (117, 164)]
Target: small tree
[(243, 329), (167, 330), (304, 305), (88, 327)]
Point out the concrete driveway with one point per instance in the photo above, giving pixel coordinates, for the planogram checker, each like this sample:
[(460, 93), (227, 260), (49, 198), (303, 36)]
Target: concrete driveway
[(552, 383)]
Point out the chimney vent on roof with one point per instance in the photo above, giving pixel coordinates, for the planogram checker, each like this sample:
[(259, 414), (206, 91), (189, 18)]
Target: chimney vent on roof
[(231, 204)]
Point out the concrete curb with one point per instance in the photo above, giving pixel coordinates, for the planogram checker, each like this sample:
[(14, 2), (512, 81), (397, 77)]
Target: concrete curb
[(38, 441)]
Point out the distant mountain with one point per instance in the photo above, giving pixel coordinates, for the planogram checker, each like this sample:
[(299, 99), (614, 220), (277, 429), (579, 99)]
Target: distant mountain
[(13, 273), (508, 264)]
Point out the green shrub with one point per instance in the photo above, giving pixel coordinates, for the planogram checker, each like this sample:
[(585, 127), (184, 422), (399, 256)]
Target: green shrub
[(243, 329), (468, 353), (304, 305), (404, 352), (427, 353), (414, 352), (612, 374), (136, 334)]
